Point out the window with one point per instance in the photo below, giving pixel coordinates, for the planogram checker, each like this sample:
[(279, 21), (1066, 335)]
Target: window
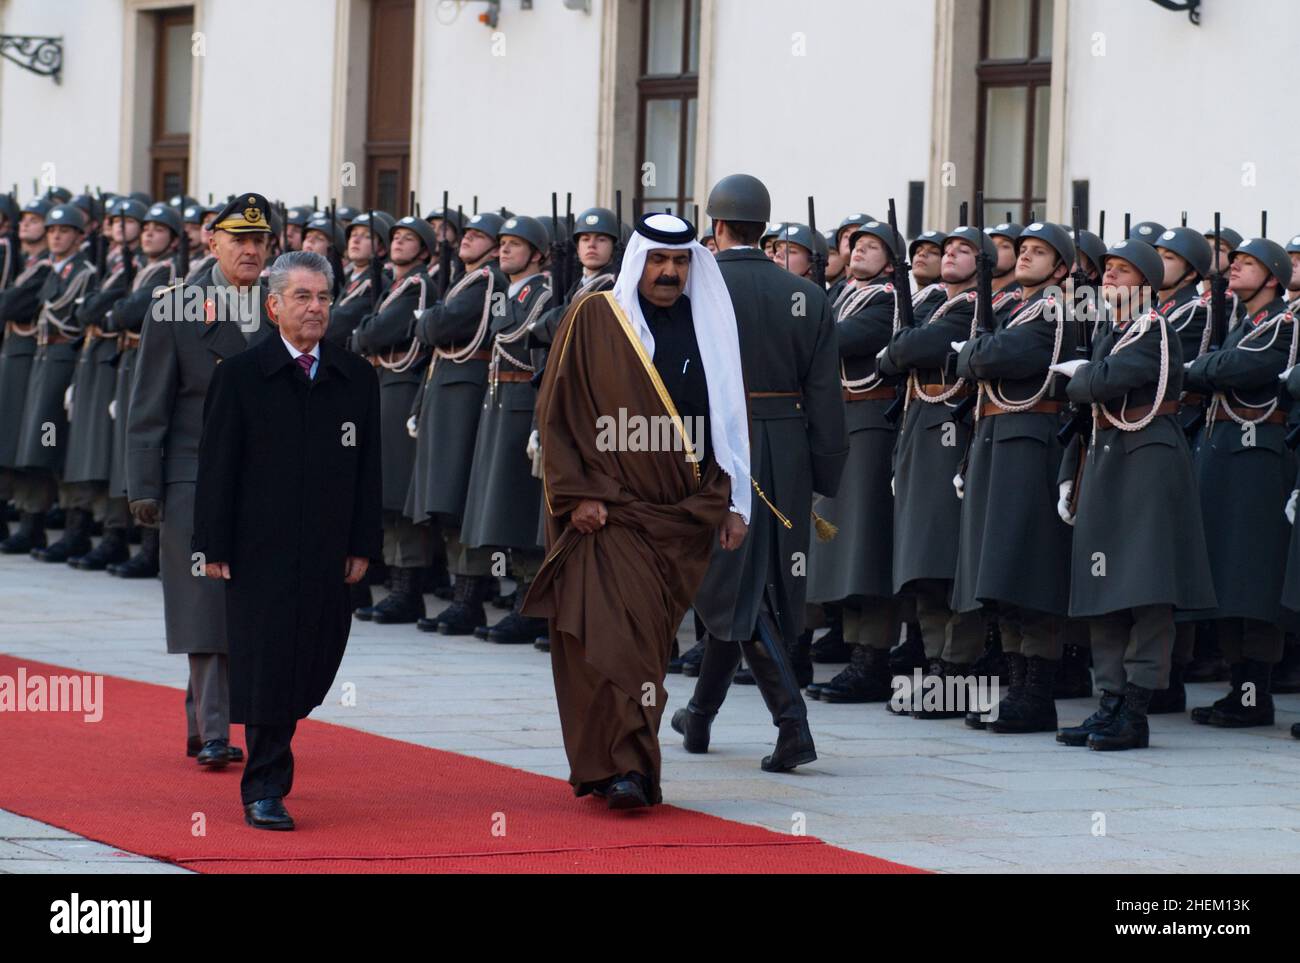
[(169, 148), (1014, 75), (667, 92), (388, 114)]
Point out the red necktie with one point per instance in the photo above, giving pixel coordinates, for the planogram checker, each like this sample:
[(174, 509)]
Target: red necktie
[(305, 362)]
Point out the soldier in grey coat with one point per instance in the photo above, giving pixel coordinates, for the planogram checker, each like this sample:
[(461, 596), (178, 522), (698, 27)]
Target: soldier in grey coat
[(1246, 474), (925, 253), (931, 445), (798, 446), (504, 497), (1138, 546), (19, 306), (856, 566), (444, 416), (43, 440), (387, 337), (1013, 548), (189, 331)]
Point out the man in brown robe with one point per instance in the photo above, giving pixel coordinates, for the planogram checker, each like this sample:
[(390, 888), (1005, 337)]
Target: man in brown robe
[(645, 448)]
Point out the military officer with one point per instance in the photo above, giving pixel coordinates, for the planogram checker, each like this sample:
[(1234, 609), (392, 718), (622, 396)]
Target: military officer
[(189, 330), (1013, 548), (387, 337), (444, 417), (856, 566), (789, 354), (1245, 471), (503, 503), (1138, 545)]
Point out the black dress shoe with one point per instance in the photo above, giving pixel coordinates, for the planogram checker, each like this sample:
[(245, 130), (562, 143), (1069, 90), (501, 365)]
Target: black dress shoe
[(195, 745), (268, 814), (215, 754), (628, 792), (1295, 730), (688, 663), (542, 643)]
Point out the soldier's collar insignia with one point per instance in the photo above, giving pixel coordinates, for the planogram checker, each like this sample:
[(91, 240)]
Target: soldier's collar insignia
[(523, 295), (209, 311)]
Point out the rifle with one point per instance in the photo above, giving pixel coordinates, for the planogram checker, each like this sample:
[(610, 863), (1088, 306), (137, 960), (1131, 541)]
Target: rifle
[(1083, 295), (818, 258), (571, 273), (983, 301), (616, 263), (183, 255), (903, 298), (444, 253), (559, 283), (336, 262), (1218, 326), (457, 264), (373, 268)]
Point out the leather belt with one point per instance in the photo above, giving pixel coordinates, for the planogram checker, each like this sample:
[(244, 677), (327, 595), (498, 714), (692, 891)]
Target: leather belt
[(20, 330), (776, 394), (53, 337), (933, 391), (875, 394), (990, 410), (482, 356), (128, 340), (1133, 414), (1276, 418), (1193, 398), (516, 376)]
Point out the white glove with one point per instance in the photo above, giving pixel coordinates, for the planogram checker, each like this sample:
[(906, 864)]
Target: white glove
[(1291, 504), (112, 409), (410, 426), (881, 353), (958, 345), (1286, 374), (892, 490), (959, 484), (1067, 368), (1063, 506), (534, 451), (67, 400)]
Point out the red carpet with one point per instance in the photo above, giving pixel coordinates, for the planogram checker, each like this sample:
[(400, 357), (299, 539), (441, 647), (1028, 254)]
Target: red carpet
[(362, 803)]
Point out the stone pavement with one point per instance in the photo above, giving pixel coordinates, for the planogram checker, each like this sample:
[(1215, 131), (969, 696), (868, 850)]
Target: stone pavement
[(930, 794)]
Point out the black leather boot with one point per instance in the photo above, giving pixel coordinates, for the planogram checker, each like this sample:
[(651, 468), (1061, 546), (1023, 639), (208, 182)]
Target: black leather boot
[(112, 549), (688, 663), (30, 534), (1201, 714), (466, 611), (1129, 728), (1173, 698), (1073, 680), (800, 651), (1013, 681), (404, 604), (499, 598), (992, 661), (361, 599), (1111, 702), (940, 671), (1253, 705), (831, 647), (517, 628), (865, 679), (1207, 663), (1035, 710), (542, 643), (75, 540), (717, 666), (1286, 674), (908, 655), (144, 563), (770, 665)]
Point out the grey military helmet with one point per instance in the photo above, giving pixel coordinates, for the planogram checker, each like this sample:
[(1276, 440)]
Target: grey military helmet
[(528, 228), (487, 222), (1226, 234), (329, 228), (1293, 245), (383, 224), (596, 220), (1090, 246), (142, 196), (422, 229), (1190, 246), (804, 236), (40, 206), (88, 205), (1146, 231), (772, 230), (888, 236), (926, 237), (58, 195), (975, 238), (70, 215), (449, 215), (853, 220), (1142, 256), (181, 201), (192, 213), (1053, 235), (165, 215), (345, 214), (125, 207), (707, 233), (739, 197), (1008, 229), (1269, 253)]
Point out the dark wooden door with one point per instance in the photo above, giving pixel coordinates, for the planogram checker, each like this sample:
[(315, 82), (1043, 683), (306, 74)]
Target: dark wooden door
[(388, 108), (169, 147)]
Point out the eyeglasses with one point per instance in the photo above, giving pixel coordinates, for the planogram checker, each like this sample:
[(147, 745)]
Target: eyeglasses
[(304, 298)]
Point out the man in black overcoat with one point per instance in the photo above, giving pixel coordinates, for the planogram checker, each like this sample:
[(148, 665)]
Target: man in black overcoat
[(288, 511)]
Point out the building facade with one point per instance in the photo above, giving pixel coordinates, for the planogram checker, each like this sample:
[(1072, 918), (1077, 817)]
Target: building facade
[(1121, 105)]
